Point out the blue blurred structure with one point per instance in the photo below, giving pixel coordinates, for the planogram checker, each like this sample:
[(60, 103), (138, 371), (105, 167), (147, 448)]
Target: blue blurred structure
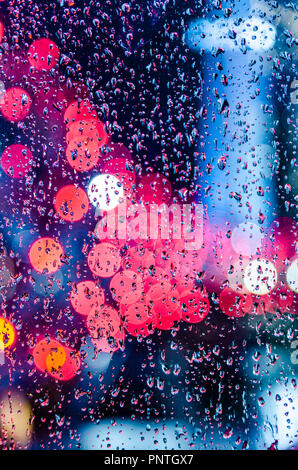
[(238, 181)]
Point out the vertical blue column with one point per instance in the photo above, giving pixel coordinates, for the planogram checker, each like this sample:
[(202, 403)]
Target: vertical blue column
[(236, 124)]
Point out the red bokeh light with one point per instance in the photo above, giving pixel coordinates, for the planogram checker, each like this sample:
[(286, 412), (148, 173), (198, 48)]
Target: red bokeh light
[(282, 298), (123, 169), (71, 203), (126, 287), (43, 54), (138, 319), (58, 360), (154, 188), (79, 110), (86, 131), (107, 229), (157, 285), (280, 243), (194, 305), (120, 166), (1, 31), (139, 259), (85, 295), (118, 150), (41, 352), (69, 369), (235, 304), (15, 160), (103, 321), (16, 104), (104, 259), (167, 313)]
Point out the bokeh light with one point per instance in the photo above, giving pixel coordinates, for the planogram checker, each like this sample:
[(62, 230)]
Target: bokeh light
[(60, 361), (41, 352), (16, 160), (194, 305), (61, 369), (45, 255), (154, 189), (247, 239), (43, 54), (79, 110), (105, 192), (292, 276), (7, 334), (104, 259), (1, 31), (85, 295), (15, 104), (86, 131), (235, 304), (15, 418), (138, 319), (55, 359), (260, 277), (71, 203), (116, 125), (81, 155), (109, 344), (103, 321), (166, 313), (126, 287)]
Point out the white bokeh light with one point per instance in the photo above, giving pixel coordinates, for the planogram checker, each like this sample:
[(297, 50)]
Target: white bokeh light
[(236, 276), (280, 418), (246, 239), (292, 276), (260, 277), (257, 34), (105, 192)]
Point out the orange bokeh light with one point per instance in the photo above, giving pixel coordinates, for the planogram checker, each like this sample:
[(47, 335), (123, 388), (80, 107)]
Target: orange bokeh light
[(55, 359), (82, 155), (41, 352), (45, 255), (7, 334), (60, 361), (69, 369)]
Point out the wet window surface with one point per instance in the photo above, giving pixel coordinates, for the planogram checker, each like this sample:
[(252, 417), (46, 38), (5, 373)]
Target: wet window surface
[(148, 234)]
